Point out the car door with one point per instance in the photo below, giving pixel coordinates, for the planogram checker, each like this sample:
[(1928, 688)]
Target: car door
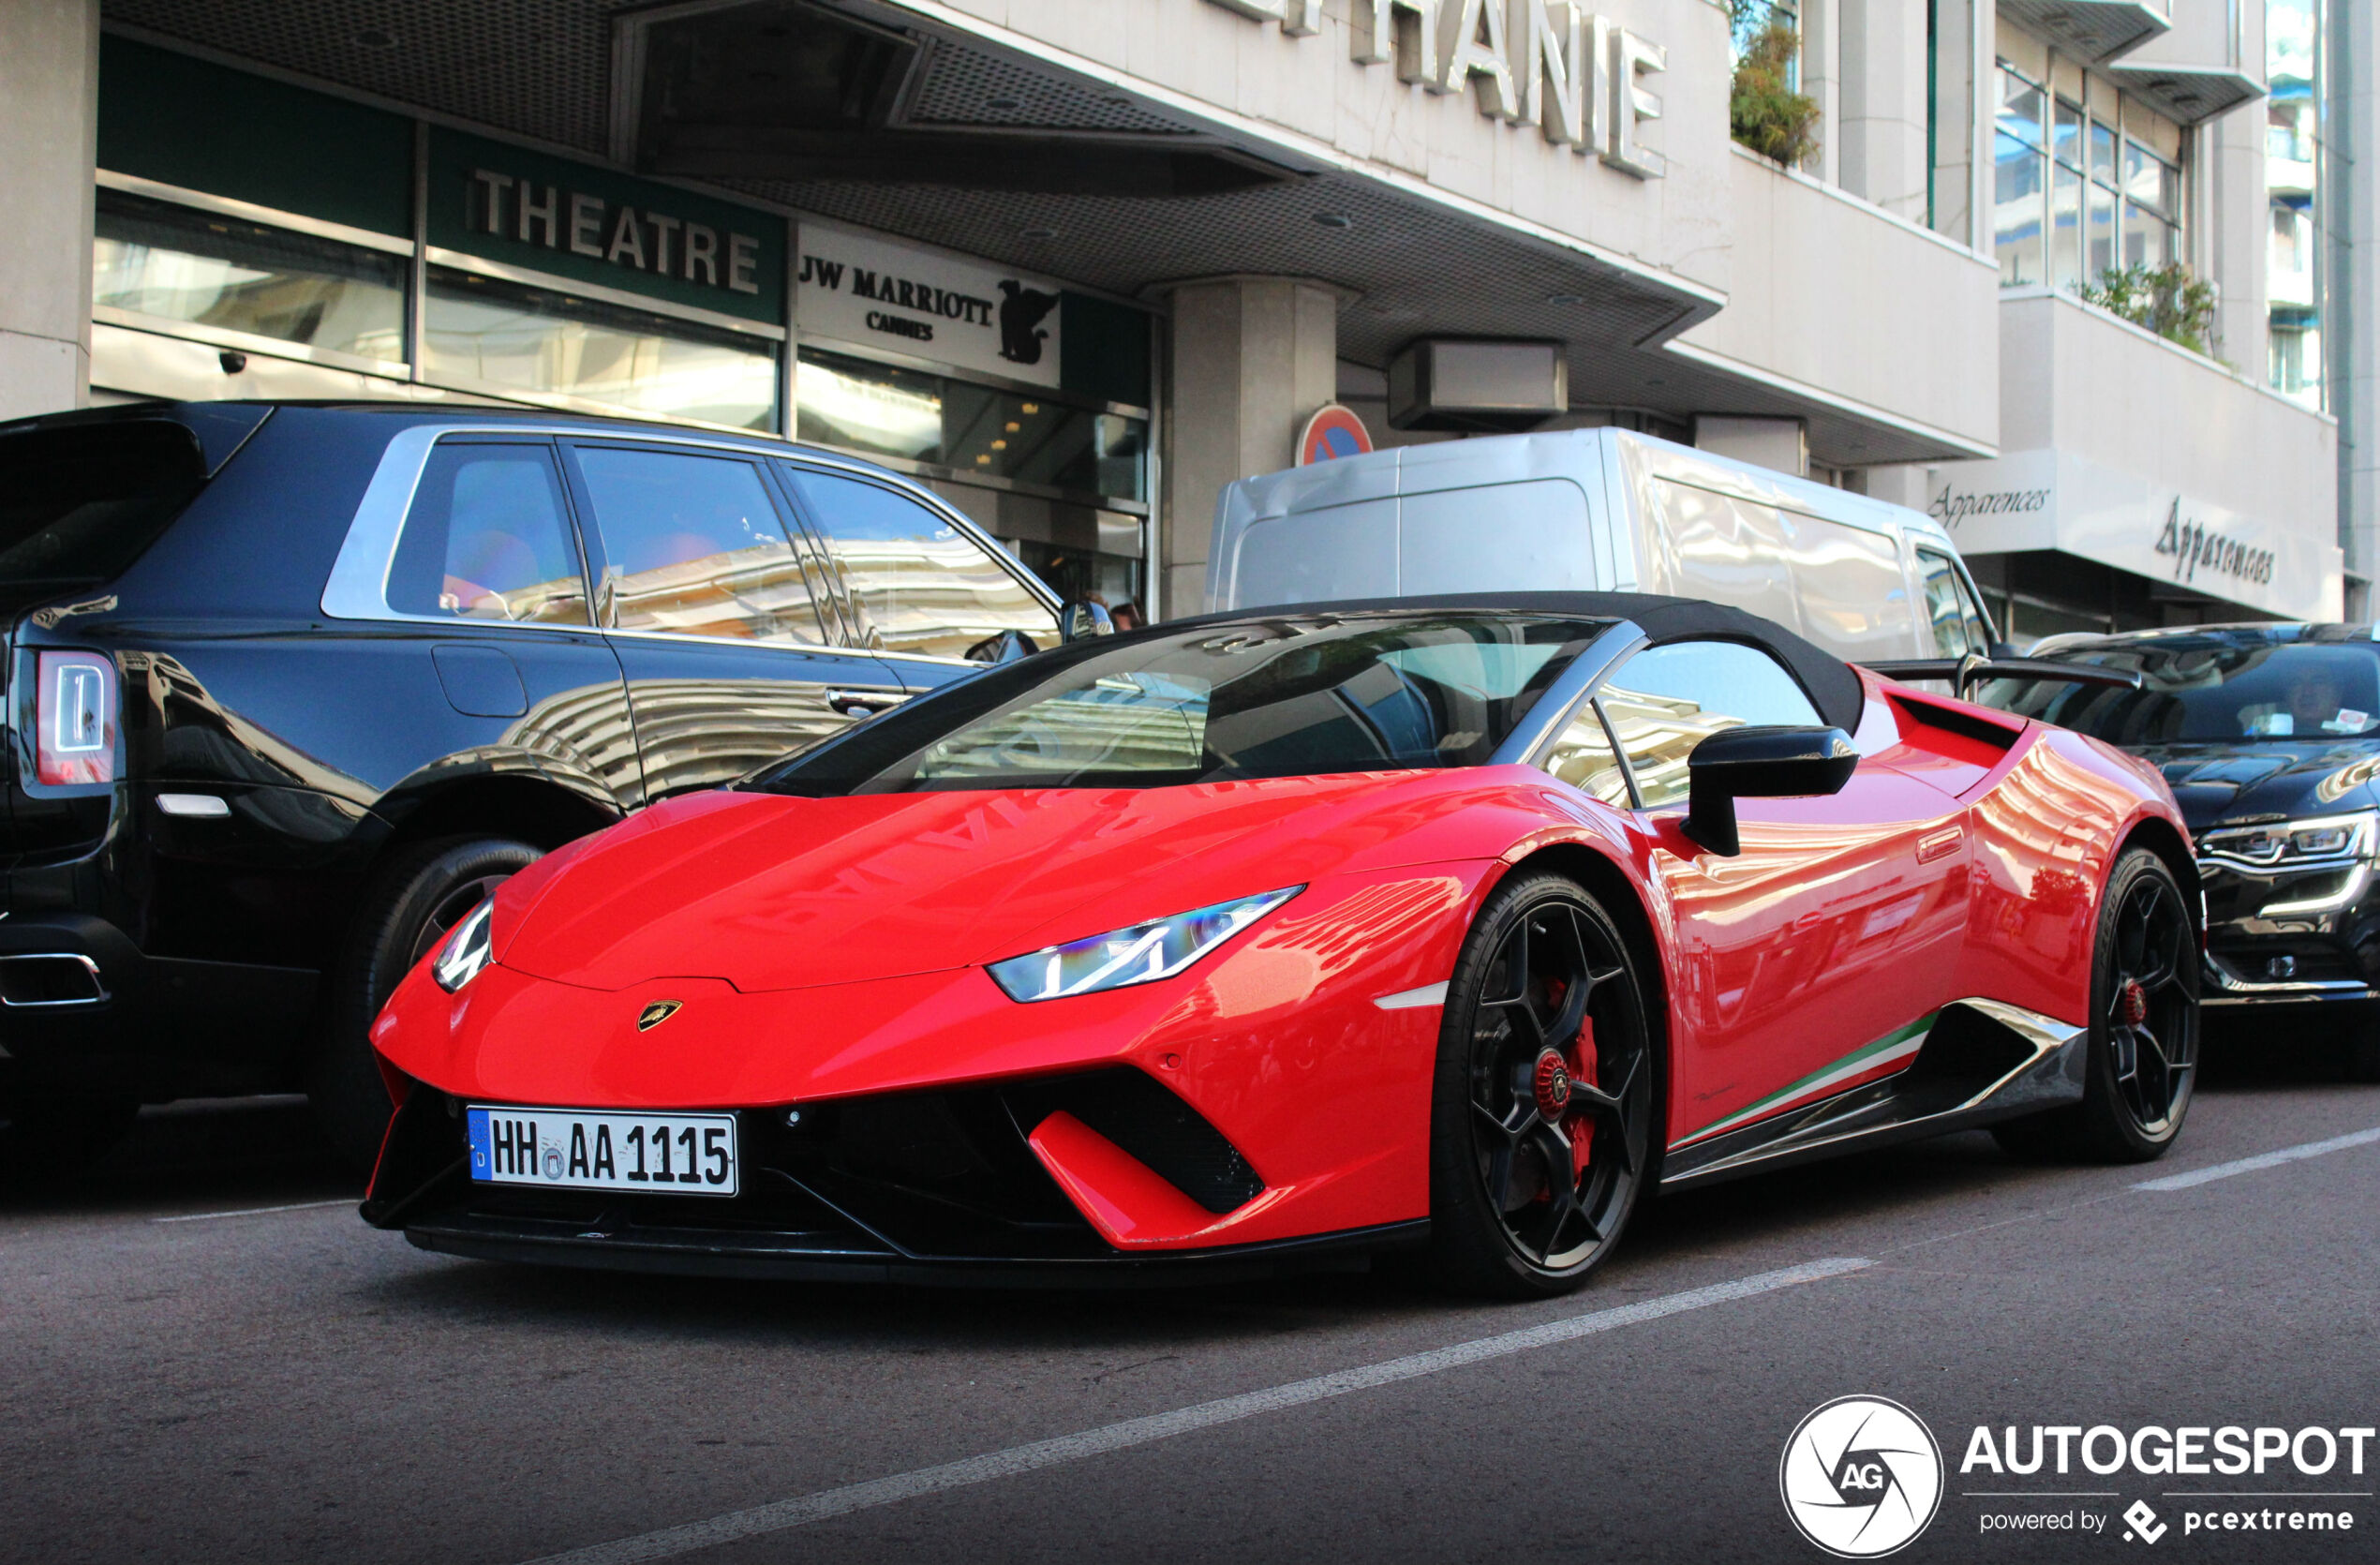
[(1957, 626), (1802, 963), (713, 608), (488, 547), (919, 590)]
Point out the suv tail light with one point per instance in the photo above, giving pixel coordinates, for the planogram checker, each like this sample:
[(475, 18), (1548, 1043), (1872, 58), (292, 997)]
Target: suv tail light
[(74, 719)]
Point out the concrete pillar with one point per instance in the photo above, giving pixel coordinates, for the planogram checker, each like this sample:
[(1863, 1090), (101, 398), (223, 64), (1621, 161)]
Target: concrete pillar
[(1781, 444), (2233, 245), (1955, 121), (2353, 306), (1883, 92), (1249, 360), (48, 125), (1822, 81)]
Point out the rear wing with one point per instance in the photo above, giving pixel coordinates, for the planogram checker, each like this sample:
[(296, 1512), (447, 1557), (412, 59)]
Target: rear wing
[(1965, 673)]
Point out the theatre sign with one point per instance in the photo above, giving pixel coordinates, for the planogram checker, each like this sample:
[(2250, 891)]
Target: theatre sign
[(1575, 76)]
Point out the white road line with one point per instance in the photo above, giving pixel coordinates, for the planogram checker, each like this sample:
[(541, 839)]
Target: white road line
[(803, 1509), (2262, 1160), (255, 1211)]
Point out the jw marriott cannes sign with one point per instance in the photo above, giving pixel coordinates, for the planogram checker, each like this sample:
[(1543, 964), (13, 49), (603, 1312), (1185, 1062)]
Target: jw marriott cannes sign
[(1575, 76)]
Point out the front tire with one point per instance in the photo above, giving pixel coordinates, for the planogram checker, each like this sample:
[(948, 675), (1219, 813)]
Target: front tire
[(411, 904), (1543, 1100), (2143, 1050)]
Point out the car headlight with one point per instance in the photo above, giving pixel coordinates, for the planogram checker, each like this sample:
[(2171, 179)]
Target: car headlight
[(2285, 845), (465, 951), (1139, 954)]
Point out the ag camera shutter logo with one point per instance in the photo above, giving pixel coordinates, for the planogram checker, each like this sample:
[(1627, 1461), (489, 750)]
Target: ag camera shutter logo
[(1861, 1477)]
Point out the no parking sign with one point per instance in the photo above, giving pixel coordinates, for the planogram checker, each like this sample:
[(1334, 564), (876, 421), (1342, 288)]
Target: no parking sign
[(1332, 431)]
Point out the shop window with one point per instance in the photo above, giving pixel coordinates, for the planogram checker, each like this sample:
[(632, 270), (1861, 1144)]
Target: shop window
[(1038, 442), (924, 585), (510, 338), (1023, 436), (199, 269), (694, 545), (1668, 699), (871, 407), (488, 538)]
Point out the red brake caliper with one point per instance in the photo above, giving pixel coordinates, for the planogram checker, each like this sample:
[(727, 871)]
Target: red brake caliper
[(1580, 1125)]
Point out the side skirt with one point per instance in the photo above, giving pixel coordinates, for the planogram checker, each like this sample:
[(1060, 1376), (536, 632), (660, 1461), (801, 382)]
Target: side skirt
[(1982, 1061)]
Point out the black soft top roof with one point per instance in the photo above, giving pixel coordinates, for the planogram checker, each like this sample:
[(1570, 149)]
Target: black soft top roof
[(1833, 688)]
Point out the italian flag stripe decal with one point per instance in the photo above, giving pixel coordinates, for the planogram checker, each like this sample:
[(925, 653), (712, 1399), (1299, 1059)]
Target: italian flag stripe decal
[(1893, 1049)]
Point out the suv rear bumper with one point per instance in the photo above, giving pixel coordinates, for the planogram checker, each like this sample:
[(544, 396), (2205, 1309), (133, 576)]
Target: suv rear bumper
[(82, 1006)]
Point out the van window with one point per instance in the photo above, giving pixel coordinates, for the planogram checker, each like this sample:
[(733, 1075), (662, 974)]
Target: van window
[(924, 585), (1854, 600), (487, 539), (1531, 534), (79, 504), (1959, 625), (1666, 700), (1309, 556)]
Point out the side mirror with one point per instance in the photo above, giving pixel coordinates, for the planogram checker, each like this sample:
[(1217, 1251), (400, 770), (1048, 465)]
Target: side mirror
[(1760, 762), (1007, 646), (1082, 618)]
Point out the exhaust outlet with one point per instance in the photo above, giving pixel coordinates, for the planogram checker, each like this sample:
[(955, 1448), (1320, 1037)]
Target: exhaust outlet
[(50, 978)]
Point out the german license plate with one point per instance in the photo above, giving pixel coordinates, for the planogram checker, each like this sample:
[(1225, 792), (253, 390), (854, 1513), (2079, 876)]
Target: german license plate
[(586, 1149)]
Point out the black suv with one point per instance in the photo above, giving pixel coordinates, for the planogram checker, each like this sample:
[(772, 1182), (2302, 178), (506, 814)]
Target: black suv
[(2270, 735), (290, 687)]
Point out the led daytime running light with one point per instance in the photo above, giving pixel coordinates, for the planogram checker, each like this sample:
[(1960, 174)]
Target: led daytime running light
[(1138, 954), (466, 951), (2324, 839)]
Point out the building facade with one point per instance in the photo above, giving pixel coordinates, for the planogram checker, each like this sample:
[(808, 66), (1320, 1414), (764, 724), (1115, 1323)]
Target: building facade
[(1078, 263)]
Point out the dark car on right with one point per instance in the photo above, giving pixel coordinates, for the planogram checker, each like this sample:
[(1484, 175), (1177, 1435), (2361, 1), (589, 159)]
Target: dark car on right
[(2270, 737)]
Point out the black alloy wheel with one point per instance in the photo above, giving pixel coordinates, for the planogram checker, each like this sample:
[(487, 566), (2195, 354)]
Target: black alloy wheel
[(412, 906), (2143, 1061), (1543, 1114)]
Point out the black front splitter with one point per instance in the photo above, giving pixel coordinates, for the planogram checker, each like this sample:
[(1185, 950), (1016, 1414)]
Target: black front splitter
[(692, 1253)]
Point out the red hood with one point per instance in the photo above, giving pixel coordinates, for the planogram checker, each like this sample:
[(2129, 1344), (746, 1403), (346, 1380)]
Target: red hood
[(769, 892)]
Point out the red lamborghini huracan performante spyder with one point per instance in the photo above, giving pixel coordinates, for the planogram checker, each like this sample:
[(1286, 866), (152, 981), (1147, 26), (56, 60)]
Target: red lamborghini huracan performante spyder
[(1286, 936)]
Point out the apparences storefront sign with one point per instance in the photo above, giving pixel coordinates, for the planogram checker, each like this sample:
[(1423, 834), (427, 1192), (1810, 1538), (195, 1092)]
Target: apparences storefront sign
[(2055, 499)]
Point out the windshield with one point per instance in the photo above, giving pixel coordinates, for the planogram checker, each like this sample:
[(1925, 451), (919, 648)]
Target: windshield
[(80, 503), (1266, 697), (2210, 691)]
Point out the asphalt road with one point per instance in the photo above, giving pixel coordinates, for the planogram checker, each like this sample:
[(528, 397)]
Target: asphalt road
[(186, 1378)]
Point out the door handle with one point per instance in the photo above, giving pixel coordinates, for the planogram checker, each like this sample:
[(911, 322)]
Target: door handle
[(863, 703), (1935, 844)]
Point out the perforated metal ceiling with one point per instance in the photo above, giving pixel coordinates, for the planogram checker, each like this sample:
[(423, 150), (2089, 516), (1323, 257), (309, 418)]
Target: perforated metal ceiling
[(535, 67), (965, 86), (541, 69)]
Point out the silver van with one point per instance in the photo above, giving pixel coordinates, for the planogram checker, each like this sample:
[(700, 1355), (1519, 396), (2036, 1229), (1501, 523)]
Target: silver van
[(1601, 510)]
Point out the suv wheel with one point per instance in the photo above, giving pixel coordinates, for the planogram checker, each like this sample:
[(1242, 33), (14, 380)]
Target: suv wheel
[(419, 895)]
